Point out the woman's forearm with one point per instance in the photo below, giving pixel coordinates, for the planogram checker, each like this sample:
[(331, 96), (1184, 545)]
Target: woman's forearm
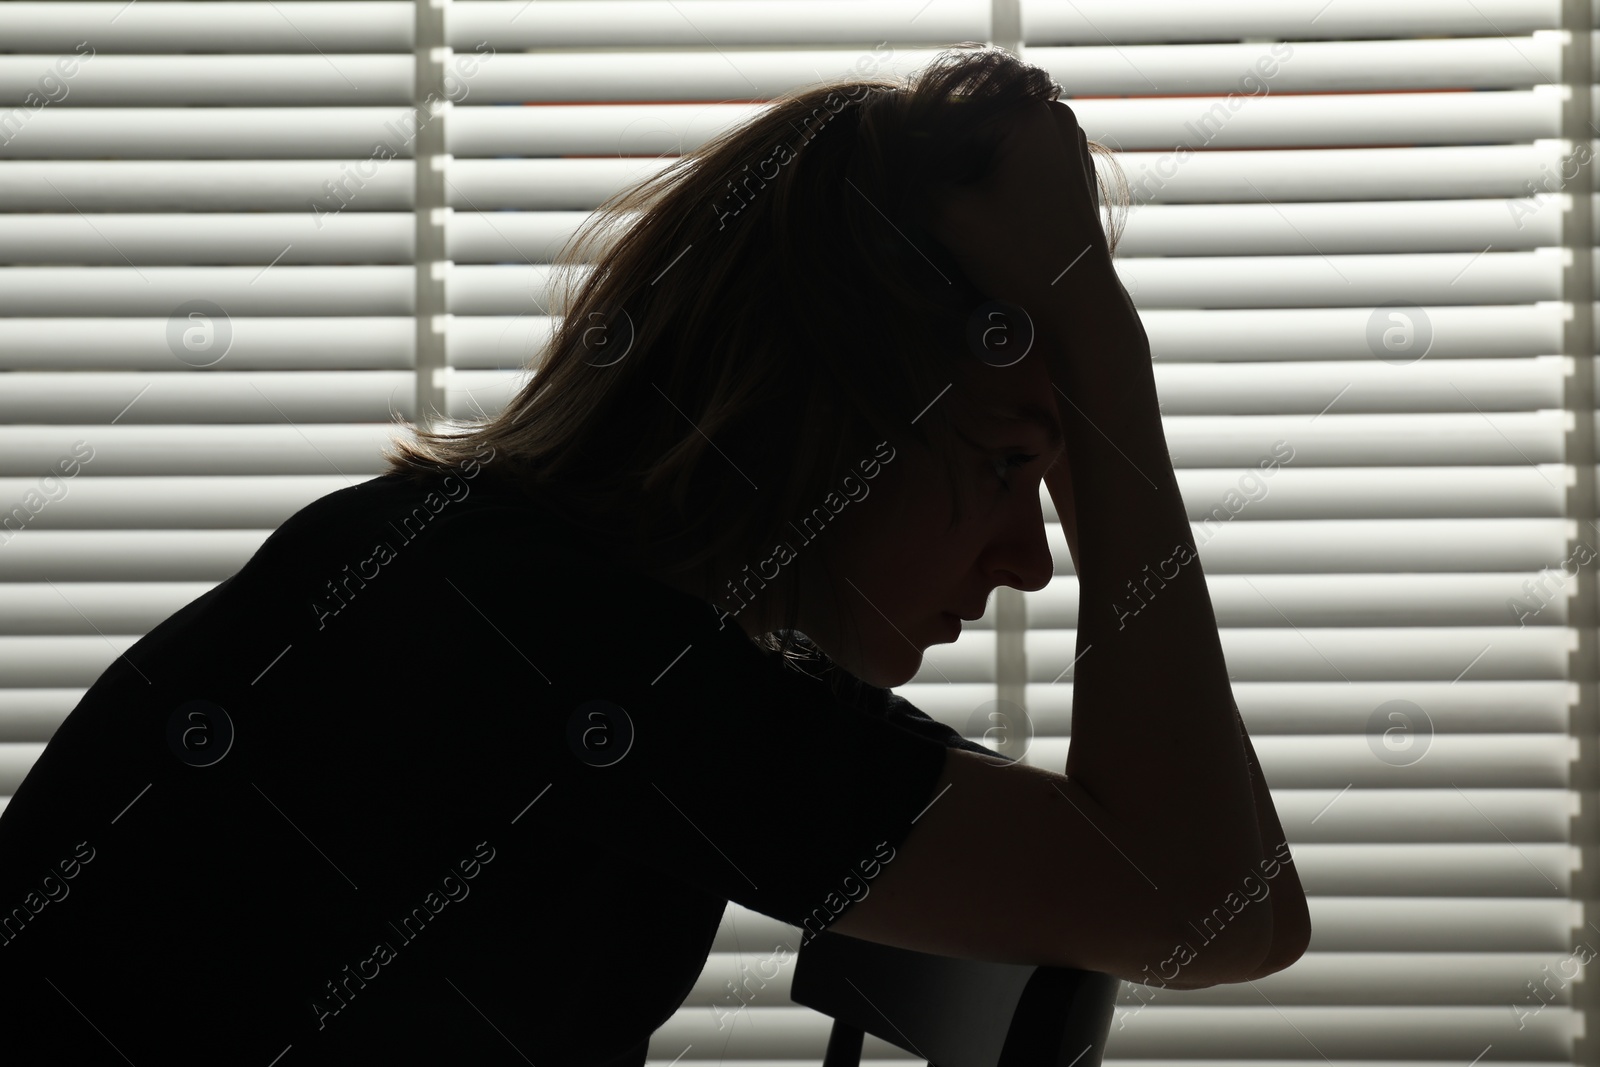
[(1154, 728), (1285, 899)]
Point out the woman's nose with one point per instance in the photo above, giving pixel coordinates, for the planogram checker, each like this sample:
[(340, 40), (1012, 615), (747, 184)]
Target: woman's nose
[(1023, 559)]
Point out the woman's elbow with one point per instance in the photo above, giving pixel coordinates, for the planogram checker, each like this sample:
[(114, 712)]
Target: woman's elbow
[(1289, 943)]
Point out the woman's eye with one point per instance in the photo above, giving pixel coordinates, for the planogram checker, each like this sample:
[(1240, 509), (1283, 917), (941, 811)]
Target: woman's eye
[(1010, 462)]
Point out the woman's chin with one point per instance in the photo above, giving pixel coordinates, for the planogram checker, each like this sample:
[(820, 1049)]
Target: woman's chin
[(886, 674)]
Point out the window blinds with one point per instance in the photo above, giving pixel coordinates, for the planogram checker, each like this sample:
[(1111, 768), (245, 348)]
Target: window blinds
[(1350, 256), (190, 354), (1366, 293)]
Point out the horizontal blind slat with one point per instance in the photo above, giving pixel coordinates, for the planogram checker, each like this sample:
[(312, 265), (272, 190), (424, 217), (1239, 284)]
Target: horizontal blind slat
[(1333, 228), (1296, 708), (1168, 1035), (177, 80), (1380, 979), (156, 26), (366, 289), (1365, 386), (1254, 70), (65, 608), (787, 24), (1350, 653), (145, 141), (166, 239), (1378, 440), (156, 502), (282, 342), (316, 448), (1339, 924), (1360, 601), (1221, 335), (1092, 22), (223, 397), (1490, 761)]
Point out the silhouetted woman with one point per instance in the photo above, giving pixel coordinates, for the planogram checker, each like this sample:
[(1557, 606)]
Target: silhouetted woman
[(466, 762)]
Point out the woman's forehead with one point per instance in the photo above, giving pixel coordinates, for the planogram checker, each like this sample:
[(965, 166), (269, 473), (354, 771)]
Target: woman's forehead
[(1016, 402)]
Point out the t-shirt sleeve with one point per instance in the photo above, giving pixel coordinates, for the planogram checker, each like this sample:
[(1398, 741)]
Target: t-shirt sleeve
[(902, 712), (635, 720), (887, 704)]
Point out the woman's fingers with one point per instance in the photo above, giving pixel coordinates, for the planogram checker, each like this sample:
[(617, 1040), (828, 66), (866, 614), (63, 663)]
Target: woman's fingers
[(1032, 215), (1072, 133)]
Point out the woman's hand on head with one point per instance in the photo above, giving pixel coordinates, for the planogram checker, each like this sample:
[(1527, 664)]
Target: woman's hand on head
[(1036, 214)]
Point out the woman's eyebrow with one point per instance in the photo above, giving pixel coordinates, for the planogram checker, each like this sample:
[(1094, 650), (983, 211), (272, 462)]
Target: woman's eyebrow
[(1027, 413)]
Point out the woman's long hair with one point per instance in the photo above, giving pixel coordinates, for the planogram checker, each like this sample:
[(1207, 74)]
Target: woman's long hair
[(774, 311)]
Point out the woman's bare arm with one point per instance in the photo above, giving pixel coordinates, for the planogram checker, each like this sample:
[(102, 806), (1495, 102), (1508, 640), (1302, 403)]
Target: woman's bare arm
[(1155, 821), (1285, 902), (1155, 733), (1156, 740)]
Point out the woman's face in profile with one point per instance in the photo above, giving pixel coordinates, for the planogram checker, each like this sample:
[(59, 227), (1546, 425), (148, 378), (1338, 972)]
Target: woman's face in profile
[(903, 568)]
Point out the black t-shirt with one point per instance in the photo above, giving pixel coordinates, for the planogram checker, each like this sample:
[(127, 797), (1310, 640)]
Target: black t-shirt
[(428, 780)]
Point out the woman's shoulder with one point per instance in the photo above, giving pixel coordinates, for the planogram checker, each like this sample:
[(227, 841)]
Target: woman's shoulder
[(415, 503)]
